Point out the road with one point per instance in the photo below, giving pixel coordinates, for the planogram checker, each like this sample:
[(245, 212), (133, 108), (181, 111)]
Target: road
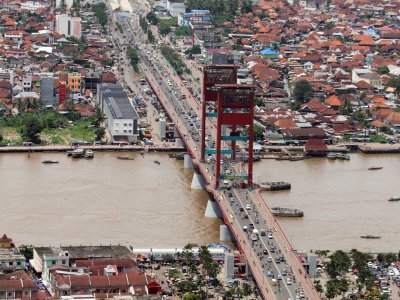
[(242, 207)]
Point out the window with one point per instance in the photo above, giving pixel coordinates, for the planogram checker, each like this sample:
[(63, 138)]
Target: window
[(125, 131), (18, 263), (53, 262), (26, 293), (130, 131), (116, 130), (63, 262), (10, 263), (130, 124), (125, 124)]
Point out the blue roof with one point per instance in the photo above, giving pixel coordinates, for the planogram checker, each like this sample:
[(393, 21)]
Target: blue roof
[(370, 32), (269, 51)]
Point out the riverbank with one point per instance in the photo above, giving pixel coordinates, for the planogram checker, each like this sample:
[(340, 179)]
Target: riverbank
[(99, 148)]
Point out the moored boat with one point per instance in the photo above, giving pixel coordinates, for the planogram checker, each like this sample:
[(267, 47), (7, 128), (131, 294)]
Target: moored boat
[(374, 168), (89, 153), (331, 156), (370, 236), (394, 198), (50, 162), (342, 156), (286, 212), (275, 186), (78, 153)]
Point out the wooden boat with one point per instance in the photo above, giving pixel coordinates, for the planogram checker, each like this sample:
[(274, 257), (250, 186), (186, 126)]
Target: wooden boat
[(394, 198), (78, 153), (89, 153), (370, 236), (49, 162), (375, 168), (157, 162), (342, 156), (125, 158), (331, 156)]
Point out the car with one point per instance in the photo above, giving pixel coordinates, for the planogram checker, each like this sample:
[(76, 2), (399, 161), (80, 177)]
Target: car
[(270, 236), (288, 281), (269, 274), (265, 252), (279, 277), (277, 260), (248, 207), (269, 258)]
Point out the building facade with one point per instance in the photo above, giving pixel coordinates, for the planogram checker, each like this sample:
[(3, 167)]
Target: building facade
[(68, 26), (74, 82), (122, 118), (176, 7)]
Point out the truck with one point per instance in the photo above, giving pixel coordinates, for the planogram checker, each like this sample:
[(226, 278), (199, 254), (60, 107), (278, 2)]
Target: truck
[(254, 235)]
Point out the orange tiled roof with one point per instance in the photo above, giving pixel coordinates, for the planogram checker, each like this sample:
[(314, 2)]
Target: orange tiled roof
[(333, 101)]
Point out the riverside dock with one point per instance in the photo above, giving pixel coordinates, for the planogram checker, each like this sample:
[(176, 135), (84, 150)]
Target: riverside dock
[(99, 148)]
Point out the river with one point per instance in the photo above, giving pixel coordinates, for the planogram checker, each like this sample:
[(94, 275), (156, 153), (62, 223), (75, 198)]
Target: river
[(341, 200), (102, 201), (139, 203)]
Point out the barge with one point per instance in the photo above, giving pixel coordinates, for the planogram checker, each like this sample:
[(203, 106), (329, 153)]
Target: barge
[(286, 212), (275, 186)]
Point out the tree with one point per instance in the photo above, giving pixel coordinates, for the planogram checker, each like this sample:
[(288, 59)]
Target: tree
[(346, 108), (193, 50), (133, 57), (246, 289), (383, 69), (100, 132), (98, 117), (339, 264), (164, 28), (27, 251), (152, 18), (258, 101), (190, 296), (63, 6), (246, 6), (31, 129), (318, 287), (330, 289), (395, 83), (303, 90)]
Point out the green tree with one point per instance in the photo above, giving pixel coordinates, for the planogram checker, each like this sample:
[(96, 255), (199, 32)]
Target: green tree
[(100, 11), (318, 287), (303, 91), (164, 28), (258, 101), (346, 108), (31, 128), (152, 18), (27, 251), (395, 83), (338, 264), (383, 69), (133, 57), (330, 289), (63, 6), (190, 296), (98, 117), (195, 49), (246, 289), (100, 132), (246, 6)]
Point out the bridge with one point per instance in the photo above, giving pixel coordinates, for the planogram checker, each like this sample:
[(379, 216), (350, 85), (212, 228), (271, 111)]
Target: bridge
[(270, 258), (233, 212)]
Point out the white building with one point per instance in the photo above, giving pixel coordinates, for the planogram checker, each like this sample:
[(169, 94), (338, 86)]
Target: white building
[(176, 7), (68, 26), (366, 75), (122, 118), (16, 37), (32, 6)]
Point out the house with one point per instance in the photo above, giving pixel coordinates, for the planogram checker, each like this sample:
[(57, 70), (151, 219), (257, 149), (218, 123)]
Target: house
[(315, 147), (122, 118), (366, 75), (11, 260), (47, 93), (6, 242), (302, 135), (176, 7), (18, 289)]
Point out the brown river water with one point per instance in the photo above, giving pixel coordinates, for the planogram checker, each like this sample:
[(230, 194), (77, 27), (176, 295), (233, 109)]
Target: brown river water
[(139, 203)]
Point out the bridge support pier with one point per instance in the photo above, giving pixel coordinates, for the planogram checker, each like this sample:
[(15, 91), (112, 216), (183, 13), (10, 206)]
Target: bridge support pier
[(187, 162), (178, 143), (212, 210), (197, 181), (225, 234)]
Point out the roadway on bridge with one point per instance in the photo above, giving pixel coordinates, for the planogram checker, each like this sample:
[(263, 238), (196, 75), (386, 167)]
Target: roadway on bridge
[(262, 255)]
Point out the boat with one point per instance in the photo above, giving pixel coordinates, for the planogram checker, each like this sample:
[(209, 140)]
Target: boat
[(342, 156), (394, 198), (69, 153), (375, 168), (178, 156), (275, 186), (125, 158), (78, 153), (286, 212), (89, 153), (157, 162), (370, 236), (331, 155), (49, 162)]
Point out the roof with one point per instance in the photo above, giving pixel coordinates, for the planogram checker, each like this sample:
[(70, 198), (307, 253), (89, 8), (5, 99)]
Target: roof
[(5, 239), (19, 284), (315, 145), (117, 101)]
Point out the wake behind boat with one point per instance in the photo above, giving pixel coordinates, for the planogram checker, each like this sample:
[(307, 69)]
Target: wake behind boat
[(394, 198)]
